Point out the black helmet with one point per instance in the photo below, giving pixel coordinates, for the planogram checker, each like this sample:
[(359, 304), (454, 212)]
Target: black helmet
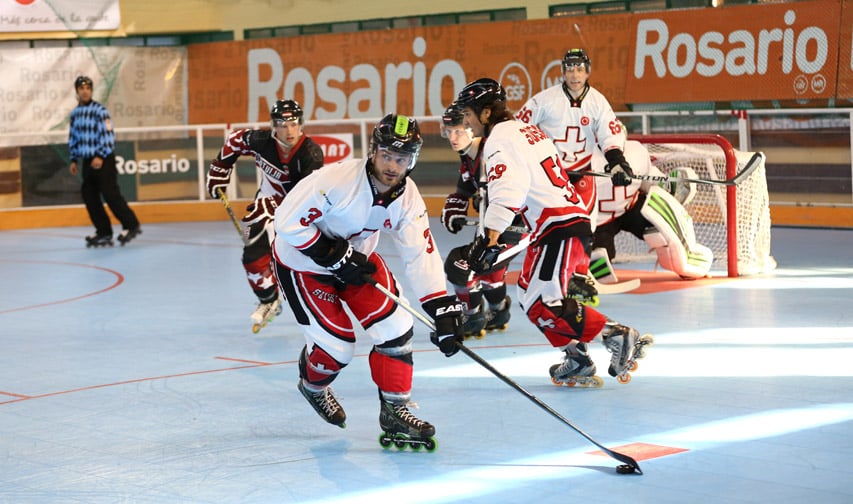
[(576, 57), (480, 93), (81, 80), (397, 133), (286, 110), (452, 115)]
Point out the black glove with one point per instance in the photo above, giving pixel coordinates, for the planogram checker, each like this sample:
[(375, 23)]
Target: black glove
[(447, 314), (454, 213), (218, 177), (618, 167), (481, 256), (348, 265)]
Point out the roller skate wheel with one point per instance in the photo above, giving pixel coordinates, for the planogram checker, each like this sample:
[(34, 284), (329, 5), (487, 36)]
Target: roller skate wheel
[(384, 441), (633, 366), (500, 328), (592, 301), (623, 378), (647, 340), (430, 444), (256, 328), (596, 381)]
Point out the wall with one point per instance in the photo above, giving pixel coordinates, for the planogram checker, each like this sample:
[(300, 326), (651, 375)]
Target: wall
[(147, 17)]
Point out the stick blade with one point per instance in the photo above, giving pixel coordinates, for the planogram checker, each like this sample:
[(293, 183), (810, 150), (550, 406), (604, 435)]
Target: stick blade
[(754, 162)]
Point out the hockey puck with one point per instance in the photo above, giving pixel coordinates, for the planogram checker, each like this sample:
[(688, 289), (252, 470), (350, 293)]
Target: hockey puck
[(625, 469)]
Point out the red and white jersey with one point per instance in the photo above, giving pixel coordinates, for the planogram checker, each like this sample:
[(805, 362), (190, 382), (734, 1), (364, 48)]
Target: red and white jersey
[(280, 171), (614, 201), (339, 202), (525, 177), (577, 127)]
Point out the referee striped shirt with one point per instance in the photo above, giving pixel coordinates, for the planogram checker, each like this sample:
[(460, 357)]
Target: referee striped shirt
[(91, 132)]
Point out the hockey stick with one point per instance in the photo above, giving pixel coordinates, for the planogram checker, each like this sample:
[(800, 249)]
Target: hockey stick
[(630, 465), (739, 177), (228, 209), (618, 287)]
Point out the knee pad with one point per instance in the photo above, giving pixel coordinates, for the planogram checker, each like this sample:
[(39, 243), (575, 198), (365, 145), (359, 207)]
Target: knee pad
[(318, 368), (260, 276), (673, 238), (566, 322), (391, 366)]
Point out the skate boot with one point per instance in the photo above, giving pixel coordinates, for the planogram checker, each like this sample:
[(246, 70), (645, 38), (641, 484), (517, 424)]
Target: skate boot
[(97, 240), (576, 369), (128, 234), (474, 324), (265, 313), (401, 428), (325, 404), (625, 346), (499, 316), (582, 289)]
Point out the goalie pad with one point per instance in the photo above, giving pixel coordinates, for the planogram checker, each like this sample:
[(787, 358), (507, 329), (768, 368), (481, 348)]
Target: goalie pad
[(601, 268), (673, 237), (682, 190)]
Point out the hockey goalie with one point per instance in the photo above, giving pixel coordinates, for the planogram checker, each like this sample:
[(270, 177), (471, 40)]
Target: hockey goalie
[(651, 213)]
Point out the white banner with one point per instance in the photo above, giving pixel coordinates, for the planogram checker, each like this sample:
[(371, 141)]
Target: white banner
[(58, 15), (141, 86)]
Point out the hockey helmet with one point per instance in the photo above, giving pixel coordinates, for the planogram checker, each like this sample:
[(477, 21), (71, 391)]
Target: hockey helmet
[(286, 110), (452, 115), (576, 57), (481, 93), (397, 133), (82, 80)]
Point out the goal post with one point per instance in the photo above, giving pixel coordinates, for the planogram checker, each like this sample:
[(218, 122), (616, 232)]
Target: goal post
[(733, 221)]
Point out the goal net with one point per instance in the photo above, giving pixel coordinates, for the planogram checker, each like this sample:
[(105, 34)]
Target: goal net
[(733, 221)]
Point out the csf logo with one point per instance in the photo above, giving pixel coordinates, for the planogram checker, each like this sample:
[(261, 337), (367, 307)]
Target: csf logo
[(336, 147), (515, 79)]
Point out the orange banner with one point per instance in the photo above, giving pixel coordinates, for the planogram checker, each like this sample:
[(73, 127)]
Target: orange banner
[(785, 52), (777, 51), (413, 71)]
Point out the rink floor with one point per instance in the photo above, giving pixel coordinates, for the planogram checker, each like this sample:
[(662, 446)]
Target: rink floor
[(130, 374)]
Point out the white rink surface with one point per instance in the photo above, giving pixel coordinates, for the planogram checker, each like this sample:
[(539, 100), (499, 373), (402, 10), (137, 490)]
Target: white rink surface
[(131, 374)]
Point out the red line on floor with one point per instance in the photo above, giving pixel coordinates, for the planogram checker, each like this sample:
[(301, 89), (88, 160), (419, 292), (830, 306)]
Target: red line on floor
[(14, 395), (260, 363)]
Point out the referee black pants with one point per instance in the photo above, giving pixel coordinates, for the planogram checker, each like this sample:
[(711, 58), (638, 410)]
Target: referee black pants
[(103, 182)]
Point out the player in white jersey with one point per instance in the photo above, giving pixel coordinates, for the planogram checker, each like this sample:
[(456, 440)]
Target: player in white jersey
[(650, 213), (578, 118), (526, 178), (324, 249)]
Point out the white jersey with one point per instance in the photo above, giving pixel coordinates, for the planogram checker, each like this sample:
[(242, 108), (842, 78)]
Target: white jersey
[(525, 177), (575, 126), (338, 201), (614, 201)]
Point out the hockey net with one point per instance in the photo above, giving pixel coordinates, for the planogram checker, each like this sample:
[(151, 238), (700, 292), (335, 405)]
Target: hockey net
[(733, 221)]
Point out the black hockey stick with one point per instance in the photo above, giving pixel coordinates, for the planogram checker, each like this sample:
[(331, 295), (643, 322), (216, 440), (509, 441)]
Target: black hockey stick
[(630, 465), (754, 162), (228, 209)]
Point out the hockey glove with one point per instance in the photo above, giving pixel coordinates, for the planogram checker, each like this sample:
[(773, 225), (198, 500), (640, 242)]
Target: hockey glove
[(454, 213), (262, 210), (447, 314), (218, 177), (618, 167), (481, 256), (347, 264)]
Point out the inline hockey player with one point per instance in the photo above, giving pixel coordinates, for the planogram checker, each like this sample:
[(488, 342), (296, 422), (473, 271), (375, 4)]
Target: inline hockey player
[(526, 178), (325, 253), (471, 288), (650, 213), (284, 155)]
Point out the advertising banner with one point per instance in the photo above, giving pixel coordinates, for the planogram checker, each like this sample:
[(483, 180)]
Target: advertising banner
[(141, 86), (414, 71), (59, 15), (785, 51)]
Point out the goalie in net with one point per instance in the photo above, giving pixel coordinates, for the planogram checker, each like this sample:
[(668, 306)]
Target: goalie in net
[(733, 222), (652, 214)]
